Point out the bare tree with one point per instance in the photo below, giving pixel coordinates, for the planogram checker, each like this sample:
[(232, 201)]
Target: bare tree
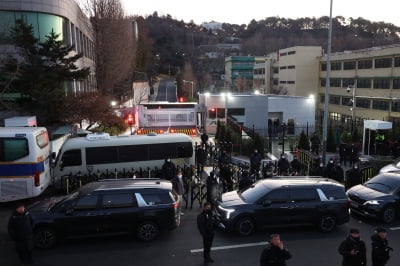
[(115, 46)]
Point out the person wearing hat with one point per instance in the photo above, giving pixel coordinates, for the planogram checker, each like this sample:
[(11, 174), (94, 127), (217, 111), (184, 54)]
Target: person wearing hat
[(380, 247), (353, 249), (20, 230)]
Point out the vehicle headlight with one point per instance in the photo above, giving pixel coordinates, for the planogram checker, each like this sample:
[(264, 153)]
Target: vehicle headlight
[(372, 202), (226, 211)]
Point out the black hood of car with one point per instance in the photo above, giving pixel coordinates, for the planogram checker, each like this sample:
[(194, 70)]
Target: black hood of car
[(44, 205), (366, 193), (230, 199)]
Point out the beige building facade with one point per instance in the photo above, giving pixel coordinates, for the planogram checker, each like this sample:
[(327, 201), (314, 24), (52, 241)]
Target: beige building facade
[(364, 84)]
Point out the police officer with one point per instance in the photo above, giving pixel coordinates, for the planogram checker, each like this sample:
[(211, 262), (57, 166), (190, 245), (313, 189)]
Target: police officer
[(20, 230), (206, 226), (380, 247), (275, 254), (353, 250)]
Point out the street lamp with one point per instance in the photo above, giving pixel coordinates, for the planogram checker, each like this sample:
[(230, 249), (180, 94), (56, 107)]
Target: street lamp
[(352, 88), (191, 82)]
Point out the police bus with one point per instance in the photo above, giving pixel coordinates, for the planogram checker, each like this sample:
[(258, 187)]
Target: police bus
[(24, 162), (99, 153)]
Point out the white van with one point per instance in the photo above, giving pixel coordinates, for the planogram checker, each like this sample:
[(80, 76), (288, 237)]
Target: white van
[(100, 153)]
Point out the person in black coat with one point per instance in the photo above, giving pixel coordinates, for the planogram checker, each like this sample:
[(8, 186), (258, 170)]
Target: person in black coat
[(201, 157), (380, 248), (255, 162), (168, 170), (212, 186), (245, 181), (283, 166), (20, 230), (353, 250), (339, 173), (353, 177), (275, 254), (295, 165), (330, 169), (206, 225)]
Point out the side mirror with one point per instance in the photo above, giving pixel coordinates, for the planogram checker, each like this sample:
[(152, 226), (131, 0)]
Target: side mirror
[(266, 203), (53, 155)]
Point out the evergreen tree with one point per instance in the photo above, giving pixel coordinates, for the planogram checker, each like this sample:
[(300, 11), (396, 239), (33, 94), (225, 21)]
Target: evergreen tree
[(304, 143), (44, 69)]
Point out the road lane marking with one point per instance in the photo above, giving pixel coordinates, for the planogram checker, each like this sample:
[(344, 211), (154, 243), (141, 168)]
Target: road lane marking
[(394, 228), (231, 246)]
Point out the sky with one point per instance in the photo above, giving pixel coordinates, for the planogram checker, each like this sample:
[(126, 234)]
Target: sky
[(242, 12)]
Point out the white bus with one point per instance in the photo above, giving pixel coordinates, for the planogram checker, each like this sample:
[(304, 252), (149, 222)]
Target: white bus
[(24, 162), (98, 153)]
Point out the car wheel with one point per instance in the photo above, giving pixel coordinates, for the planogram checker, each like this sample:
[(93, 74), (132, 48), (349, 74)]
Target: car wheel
[(147, 231), (327, 223), (389, 214), (245, 226), (44, 237)]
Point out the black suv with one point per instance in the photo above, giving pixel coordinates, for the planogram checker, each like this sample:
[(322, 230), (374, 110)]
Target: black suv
[(379, 197), (143, 207), (284, 201)]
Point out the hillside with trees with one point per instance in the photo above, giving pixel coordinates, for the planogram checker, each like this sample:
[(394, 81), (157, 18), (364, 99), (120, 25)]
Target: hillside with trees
[(176, 43)]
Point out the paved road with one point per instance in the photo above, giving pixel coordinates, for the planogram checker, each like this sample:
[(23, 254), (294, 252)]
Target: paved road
[(181, 247), (167, 90)]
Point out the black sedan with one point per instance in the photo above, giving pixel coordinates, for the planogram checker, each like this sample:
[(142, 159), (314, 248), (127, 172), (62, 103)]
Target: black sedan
[(378, 198)]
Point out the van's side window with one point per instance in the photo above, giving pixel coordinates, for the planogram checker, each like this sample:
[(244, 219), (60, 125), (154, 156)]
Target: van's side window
[(303, 195), (278, 196), (161, 151), (88, 202), (71, 158), (119, 200), (100, 155)]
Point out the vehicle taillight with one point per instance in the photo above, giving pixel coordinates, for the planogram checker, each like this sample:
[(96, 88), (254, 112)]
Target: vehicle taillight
[(37, 178), (175, 205)]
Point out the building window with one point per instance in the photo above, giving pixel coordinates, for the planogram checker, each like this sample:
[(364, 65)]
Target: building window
[(275, 70), (336, 66), (323, 67), (220, 112), (322, 99), (291, 82), (291, 52), (380, 105), (349, 65), (236, 111), (335, 116), (397, 62), (383, 62), (365, 64), (363, 103), (291, 67), (333, 99), (347, 101), (275, 82), (282, 82), (283, 54), (283, 67), (396, 84), (381, 84), (335, 82), (396, 106), (364, 83), (323, 82), (348, 82)]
